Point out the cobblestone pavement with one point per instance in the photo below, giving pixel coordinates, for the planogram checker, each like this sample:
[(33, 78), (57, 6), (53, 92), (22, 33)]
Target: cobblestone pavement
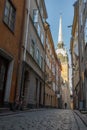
[(50, 119)]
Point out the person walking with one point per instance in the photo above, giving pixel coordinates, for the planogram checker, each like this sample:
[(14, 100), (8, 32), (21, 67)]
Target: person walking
[(65, 105)]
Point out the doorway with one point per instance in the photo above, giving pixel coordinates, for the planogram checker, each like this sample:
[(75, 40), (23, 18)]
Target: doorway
[(40, 91), (3, 78), (25, 87)]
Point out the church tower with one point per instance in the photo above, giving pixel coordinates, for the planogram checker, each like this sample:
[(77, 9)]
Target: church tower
[(63, 56)]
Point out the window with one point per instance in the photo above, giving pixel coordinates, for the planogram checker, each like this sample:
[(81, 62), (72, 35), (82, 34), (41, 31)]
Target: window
[(46, 41), (32, 48), (85, 32), (84, 1), (9, 15), (38, 29), (81, 19), (37, 56), (41, 62), (42, 38), (35, 15), (76, 48)]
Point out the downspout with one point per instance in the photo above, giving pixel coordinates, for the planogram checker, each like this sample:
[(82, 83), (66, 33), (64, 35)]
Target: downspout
[(19, 69), (19, 54), (25, 40), (26, 28)]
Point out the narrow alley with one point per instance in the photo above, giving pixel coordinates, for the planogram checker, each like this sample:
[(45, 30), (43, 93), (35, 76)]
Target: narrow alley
[(43, 65)]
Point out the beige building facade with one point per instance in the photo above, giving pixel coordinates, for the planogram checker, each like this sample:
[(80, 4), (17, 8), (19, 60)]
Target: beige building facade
[(75, 58), (31, 85), (79, 60), (83, 52), (36, 60)]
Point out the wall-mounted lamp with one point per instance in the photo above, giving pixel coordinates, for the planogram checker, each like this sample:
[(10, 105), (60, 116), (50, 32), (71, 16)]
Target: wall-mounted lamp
[(69, 26)]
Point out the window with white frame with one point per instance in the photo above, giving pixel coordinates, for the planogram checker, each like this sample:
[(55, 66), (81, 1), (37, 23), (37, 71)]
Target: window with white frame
[(85, 32), (53, 86), (41, 12), (81, 20), (32, 48), (48, 46), (35, 16), (49, 64), (9, 15), (38, 29), (46, 41), (38, 56), (76, 48)]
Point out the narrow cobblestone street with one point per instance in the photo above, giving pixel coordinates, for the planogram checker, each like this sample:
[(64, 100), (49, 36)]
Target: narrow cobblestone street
[(49, 119)]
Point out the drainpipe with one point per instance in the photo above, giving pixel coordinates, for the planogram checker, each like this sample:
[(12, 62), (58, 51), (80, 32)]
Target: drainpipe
[(25, 40), (20, 68), (19, 56), (26, 28)]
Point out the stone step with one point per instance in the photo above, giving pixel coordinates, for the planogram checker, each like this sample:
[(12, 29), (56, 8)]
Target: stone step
[(4, 109)]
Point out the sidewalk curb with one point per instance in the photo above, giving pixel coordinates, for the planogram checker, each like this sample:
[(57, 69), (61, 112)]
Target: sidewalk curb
[(84, 119), (19, 112)]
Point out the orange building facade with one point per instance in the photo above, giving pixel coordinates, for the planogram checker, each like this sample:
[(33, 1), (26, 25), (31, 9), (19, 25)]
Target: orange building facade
[(11, 20)]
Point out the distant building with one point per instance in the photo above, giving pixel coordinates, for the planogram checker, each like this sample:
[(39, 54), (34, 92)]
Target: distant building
[(62, 55), (52, 72)]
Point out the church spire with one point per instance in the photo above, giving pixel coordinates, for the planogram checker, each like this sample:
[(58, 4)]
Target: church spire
[(60, 35)]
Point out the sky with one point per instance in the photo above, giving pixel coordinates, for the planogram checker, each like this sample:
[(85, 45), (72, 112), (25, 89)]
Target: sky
[(54, 9)]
